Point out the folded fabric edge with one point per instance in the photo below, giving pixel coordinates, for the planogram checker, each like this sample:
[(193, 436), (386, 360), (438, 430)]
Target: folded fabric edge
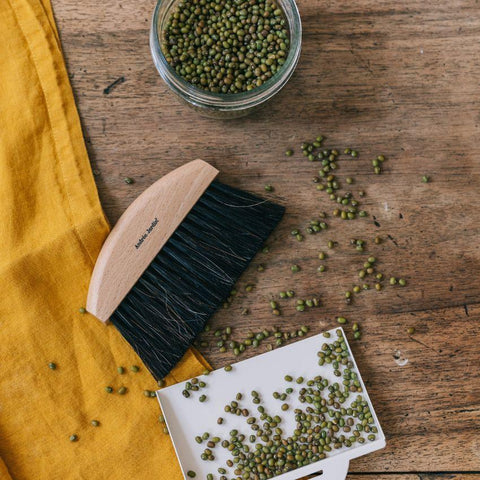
[(71, 154), (4, 475)]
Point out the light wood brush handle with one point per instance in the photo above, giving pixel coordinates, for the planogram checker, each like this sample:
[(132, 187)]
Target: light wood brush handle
[(141, 232)]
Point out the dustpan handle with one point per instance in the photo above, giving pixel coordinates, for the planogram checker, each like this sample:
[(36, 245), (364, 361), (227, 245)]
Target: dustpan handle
[(333, 471), (141, 232)]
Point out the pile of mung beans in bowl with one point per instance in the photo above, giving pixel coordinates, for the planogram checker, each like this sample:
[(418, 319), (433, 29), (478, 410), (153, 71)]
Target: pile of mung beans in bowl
[(225, 58)]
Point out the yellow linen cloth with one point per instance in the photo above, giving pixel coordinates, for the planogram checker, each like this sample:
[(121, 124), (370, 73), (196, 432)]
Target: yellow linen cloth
[(52, 228)]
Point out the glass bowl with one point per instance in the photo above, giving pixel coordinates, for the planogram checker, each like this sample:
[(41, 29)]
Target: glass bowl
[(225, 105)]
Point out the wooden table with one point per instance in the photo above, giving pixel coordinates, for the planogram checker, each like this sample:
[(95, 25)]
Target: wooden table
[(398, 78)]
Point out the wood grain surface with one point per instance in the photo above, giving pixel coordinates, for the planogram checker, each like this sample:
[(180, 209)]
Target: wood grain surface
[(397, 78)]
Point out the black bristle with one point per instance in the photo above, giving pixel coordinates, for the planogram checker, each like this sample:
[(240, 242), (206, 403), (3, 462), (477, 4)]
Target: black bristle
[(193, 274)]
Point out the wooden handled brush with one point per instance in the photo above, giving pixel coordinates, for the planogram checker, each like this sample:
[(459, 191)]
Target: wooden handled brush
[(172, 259)]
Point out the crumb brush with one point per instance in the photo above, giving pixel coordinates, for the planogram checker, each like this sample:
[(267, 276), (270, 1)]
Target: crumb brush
[(172, 259)]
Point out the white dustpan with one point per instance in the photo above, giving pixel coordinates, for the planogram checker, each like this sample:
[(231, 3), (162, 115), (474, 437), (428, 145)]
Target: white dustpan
[(187, 417)]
